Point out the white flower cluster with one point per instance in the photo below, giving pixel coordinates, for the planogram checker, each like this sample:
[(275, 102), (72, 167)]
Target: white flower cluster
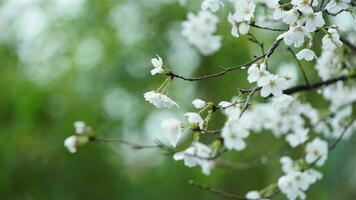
[(197, 154), (271, 84), (80, 138), (242, 17), (284, 116), (296, 181), (199, 29)]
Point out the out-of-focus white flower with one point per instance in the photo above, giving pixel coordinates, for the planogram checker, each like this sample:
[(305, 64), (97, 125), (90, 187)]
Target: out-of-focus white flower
[(283, 101), (331, 40), (213, 5), (253, 195), (306, 54), (314, 21), (195, 119), (159, 100), (234, 133), (199, 29), (298, 137), (79, 127), (73, 142), (197, 154), (173, 130), (199, 104), (335, 6), (158, 65), (295, 182), (316, 151)]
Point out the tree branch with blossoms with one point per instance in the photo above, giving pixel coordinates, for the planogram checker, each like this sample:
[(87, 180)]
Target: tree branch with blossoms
[(280, 111)]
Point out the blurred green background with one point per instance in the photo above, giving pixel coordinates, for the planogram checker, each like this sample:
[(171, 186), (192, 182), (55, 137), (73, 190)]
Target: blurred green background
[(68, 60)]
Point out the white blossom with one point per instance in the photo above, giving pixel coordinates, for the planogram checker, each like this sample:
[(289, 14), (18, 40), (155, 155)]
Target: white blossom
[(158, 65), (159, 100), (173, 130), (79, 127), (258, 74), (195, 119), (304, 5), (306, 54), (332, 39), (234, 133), (298, 137), (295, 35), (274, 85), (71, 143), (253, 195), (314, 21), (199, 104), (316, 151), (197, 154), (213, 5), (199, 29), (335, 6)]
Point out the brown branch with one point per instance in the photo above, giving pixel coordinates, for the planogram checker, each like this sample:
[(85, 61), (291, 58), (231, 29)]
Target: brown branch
[(348, 43), (317, 85), (267, 28)]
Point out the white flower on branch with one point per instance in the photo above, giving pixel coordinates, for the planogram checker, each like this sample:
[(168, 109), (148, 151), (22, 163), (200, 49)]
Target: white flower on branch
[(195, 120), (159, 100), (306, 54), (79, 127), (199, 29), (295, 181), (291, 16), (295, 35), (213, 5), (199, 104), (244, 11), (335, 6), (331, 40), (257, 74), (253, 195), (304, 5), (173, 130), (316, 151), (73, 142), (314, 21), (197, 154), (234, 132), (158, 65), (298, 137), (273, 85)]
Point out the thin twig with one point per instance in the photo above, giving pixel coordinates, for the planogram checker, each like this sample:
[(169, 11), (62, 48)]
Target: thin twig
[(337, 140), (118, 141), (226, 70), (300, 66), (267, 28), (216, 191)]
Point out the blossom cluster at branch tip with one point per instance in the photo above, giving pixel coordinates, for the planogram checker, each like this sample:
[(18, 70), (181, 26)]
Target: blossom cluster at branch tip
[(79, 138)]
